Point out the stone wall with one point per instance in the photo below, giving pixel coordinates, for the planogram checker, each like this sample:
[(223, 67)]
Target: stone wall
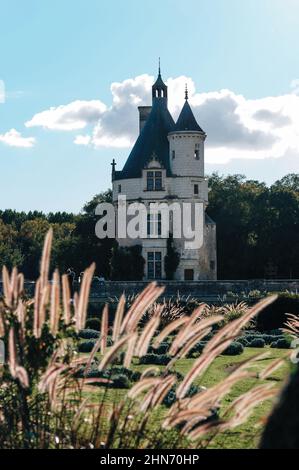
[(208, 291)]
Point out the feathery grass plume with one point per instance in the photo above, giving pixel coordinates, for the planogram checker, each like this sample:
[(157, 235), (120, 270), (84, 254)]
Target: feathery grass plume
[(130, 350), (142, 303), (81, 308), (243, 406), (232, 329), (45, 261), (2, 325), (184, 332), (118, 318), (92, 356), (22, 376), (13, 285), (150, 371), (190, 330), (191, 418), (50, 375), (55, 304), (143, 385), (6, 287), (20, 284), (188, 346), (76, 419), (147, 334), (12, 353), (104, 329), (113, 351), (66, 299), (201, 365), (21, 315), (156, 395), (36, 317), (273, 366), (292, 325), (168, 330)]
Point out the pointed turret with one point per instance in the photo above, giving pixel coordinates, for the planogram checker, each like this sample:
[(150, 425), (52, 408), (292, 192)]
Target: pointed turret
[(186, 120), (159, 89)]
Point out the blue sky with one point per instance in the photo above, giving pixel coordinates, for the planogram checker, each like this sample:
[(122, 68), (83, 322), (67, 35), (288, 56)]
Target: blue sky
[(56, 53)]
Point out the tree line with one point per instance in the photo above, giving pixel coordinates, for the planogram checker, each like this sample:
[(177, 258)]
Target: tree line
[(257, 233)]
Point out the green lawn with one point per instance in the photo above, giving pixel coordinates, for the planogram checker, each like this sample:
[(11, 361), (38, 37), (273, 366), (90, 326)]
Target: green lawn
[(245, 436)]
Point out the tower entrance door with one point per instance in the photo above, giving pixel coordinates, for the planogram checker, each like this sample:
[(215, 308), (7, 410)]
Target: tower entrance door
[(189, 275)]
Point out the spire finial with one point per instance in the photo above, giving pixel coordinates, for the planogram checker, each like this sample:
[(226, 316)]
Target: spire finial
[(186, 91), (159, 66)]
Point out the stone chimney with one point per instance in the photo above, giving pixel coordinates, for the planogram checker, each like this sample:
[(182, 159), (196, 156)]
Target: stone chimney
[(144, 112)]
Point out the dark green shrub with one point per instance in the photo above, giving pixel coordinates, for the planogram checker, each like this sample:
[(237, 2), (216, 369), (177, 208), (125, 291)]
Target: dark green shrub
[(281, 343), (87, 346), (244, 341), (234, 349), (197, 349), (156, 359), (170, 398), (257, 343), (88, 334), (93, 324), (121, 381)]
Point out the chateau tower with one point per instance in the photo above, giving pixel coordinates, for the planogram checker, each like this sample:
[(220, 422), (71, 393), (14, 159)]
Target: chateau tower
[(166, 164)]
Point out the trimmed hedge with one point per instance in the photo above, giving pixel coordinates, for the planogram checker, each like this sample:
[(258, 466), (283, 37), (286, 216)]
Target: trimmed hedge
[(234, 349), (87, 346), (282, 343), (89, 334), (257, 343), (156, 359), (93, 323)]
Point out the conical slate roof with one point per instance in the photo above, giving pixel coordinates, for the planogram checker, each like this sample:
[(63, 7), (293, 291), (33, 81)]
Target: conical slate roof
[(152, 142), (187, 121)]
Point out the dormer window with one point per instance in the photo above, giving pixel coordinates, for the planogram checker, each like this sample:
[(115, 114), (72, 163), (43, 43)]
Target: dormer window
[(154, 181), (196, 151)]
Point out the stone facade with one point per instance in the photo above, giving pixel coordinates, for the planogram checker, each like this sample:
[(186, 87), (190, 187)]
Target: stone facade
[(166, 165)]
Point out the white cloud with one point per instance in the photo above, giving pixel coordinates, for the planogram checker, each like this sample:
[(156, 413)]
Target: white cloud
[(295, 86), (82, 140), (13, 138), (73, 116), (237, 128), (2, 91)]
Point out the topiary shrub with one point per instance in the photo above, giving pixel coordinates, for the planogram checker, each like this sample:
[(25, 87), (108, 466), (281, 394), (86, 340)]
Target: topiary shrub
[(87, 346), (281, 343), (88, 334), (121, 381), (234, 349), (93, 324), (156, 359), (257, 343)]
